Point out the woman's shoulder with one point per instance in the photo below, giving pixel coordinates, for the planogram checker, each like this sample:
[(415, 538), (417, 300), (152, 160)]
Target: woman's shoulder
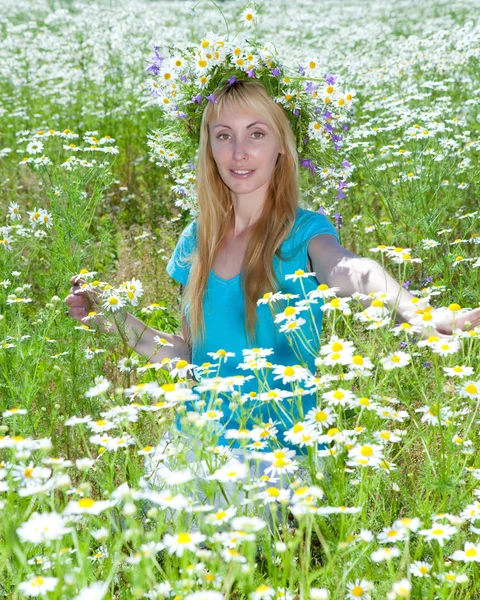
[(309, 223)]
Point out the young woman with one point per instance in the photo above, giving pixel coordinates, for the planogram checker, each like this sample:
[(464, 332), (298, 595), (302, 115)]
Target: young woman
[(249, 235)]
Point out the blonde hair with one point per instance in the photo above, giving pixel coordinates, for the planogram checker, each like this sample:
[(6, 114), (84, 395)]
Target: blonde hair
[(216, 215)]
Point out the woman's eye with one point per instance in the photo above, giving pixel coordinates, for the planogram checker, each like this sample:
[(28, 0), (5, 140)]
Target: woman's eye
[(260, 132), (221, 135)]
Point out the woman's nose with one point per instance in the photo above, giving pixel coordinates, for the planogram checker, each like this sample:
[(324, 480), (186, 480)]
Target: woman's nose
[(239, 151)]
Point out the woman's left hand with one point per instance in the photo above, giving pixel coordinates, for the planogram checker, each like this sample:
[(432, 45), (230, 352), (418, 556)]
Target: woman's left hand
[(459, 322)]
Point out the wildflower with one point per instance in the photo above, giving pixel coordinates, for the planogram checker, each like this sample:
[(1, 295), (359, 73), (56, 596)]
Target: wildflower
[(290, 373), (470, 389), (435, 415), (367, 455), (470, 553), (401, 589), (182, 369), (14, 211), (385, 554), (321, 418), (389, 535), (323, 291), (221, 516), (179, 543), (299, 274), (38, 585), (233, 470), (113, 302), (420, 568), (359, 589), (338, 397), (340, 304), (95, 591), (438, 532), (395, 360), (221, 354), (43, 528), (337, 345), (87, 506), (262, 592), (101, 386), (459, 371)]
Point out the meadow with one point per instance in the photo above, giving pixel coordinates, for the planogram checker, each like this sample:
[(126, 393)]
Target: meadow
[(382, 496)]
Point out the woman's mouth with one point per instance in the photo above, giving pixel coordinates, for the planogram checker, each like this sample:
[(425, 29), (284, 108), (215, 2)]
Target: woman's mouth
[(241, 173)]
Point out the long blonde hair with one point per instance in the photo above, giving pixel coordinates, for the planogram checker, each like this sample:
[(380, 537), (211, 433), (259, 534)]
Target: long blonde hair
[(216, 215)]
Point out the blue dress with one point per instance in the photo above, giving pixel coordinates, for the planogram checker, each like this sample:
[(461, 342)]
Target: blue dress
[(224, 313)]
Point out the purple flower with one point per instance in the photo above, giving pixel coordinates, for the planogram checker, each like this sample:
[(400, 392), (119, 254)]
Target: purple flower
[(406, 284), (427, 365), (427, 280), (403, 345), (276, 72), (345, 127), (321, 210), (330, 79), (197, 99), (157, 60), (183, 78), (346, 164), (182, 115), (310, 87), (211, 98), (301, 70), (338, 219), (340, 195), (327, 115), (251, 73), (305, 140), (232, 80), (296, 112)]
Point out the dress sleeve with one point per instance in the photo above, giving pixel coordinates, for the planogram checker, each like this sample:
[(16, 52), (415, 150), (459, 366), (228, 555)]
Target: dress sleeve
[(315, 224), (181, 260)]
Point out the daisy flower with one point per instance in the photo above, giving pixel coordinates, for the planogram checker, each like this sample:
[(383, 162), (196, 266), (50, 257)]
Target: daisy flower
[(338, 397), (113, 302), (233, 470), (395, 360), (299, 274), (438, 532), (366, 455), (281, 462), (385, 554), (43, 528), (339, 345), (182, 369), (360, 588), (179, 543), (249, 16), (445, 348), (37, 586), (323, 291), (221, 354), (290, 313), (470, 389), (420, 568), (101, 386), (321, 418), (340, 304), (87, 506), (14, 211), (470, 553)]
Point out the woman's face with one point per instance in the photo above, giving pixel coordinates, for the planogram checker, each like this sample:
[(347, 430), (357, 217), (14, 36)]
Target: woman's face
[(244, 141)]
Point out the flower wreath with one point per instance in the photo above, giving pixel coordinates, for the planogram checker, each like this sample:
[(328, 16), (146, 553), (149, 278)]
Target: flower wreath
[(184, 79)]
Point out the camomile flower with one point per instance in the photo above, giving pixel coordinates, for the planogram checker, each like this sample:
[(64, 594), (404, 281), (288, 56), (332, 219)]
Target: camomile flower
[(321, 418), (281, 462), (101, 386), (113, 302), (360, 588), (438, 532), (133, 290), (385, 554), (87, 506), (323, 291), (365, 455), (389, 535), (302, 433), (470, 553), (221, 516), (38, 585), (290, 313), (182, 369), (339, 345), (459, 371), (395, 360), (340, 304), (469, 389), (445, 348), (14, 211), (338, 397), (405, 328), (292, 325), (43, 528), (290, 373), (433, 415), (420, 568), (233, 470), (249, 16), (181, 542), (221, 354)]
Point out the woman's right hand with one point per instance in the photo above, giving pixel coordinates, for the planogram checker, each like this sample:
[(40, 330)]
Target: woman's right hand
[(81, 302)]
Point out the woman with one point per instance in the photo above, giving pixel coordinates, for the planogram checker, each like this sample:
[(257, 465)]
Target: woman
[(249, 235)]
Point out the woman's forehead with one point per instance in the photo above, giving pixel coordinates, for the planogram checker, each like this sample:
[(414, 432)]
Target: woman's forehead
[(228, 115)]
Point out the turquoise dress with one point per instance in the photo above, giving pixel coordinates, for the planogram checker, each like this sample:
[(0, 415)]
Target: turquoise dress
[(224, 313)]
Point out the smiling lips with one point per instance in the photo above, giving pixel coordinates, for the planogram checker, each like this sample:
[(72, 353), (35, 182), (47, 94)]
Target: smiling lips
[(241, 173)]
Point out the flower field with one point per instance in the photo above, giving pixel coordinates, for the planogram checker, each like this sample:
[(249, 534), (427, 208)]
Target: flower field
[(375, 492)]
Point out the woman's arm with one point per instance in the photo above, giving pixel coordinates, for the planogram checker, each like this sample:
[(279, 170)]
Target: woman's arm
[(337, 267)]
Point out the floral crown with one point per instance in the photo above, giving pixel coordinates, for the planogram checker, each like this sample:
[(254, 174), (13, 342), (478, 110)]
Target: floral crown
[(184, 80)]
